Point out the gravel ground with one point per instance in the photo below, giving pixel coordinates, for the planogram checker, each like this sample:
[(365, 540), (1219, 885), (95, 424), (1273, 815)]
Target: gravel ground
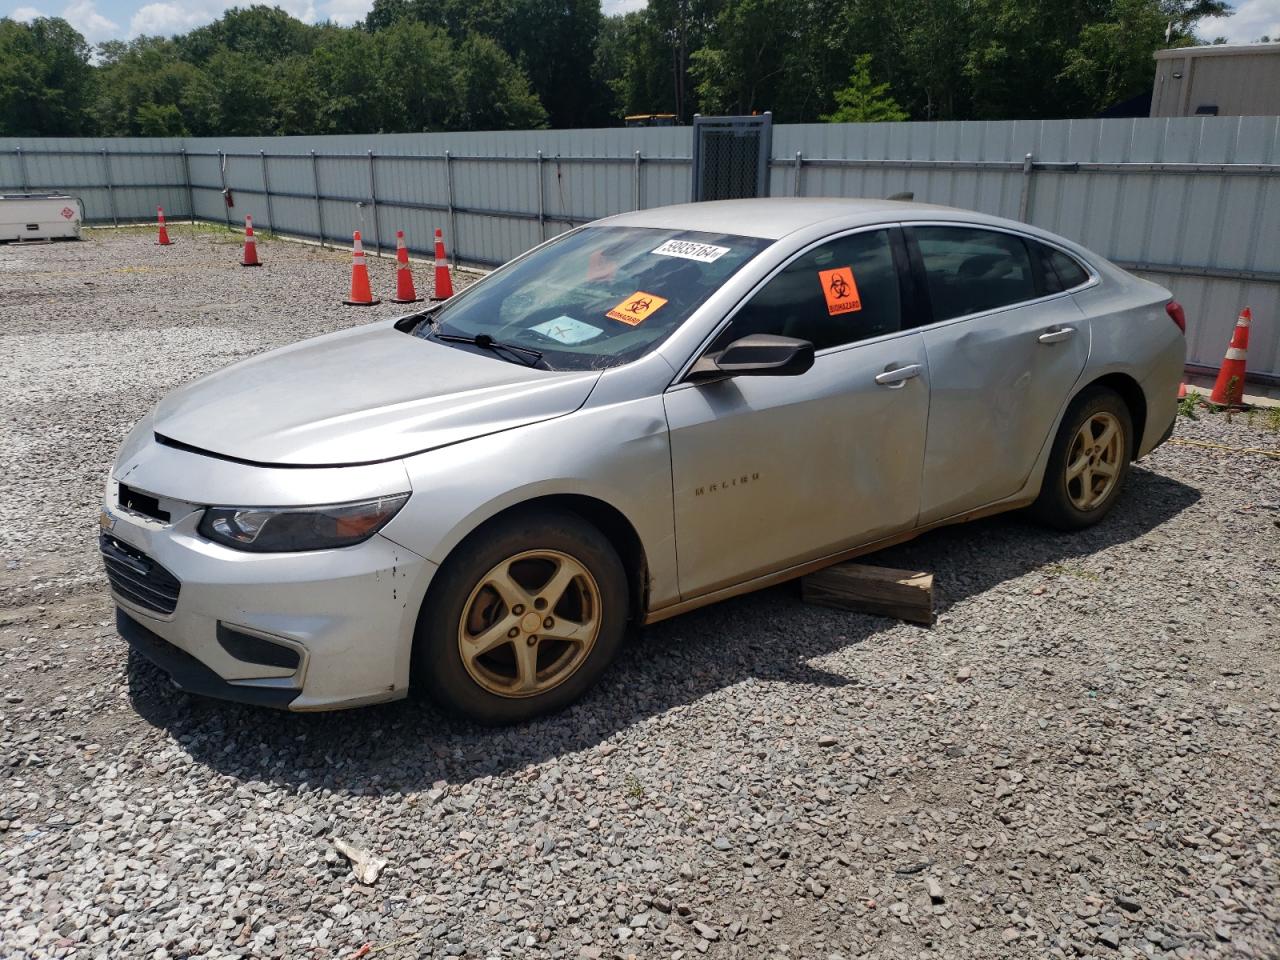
[(1080, 759)]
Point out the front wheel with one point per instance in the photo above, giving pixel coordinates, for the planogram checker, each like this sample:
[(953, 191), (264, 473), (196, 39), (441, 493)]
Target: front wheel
[(522, 619), (1089, 461)]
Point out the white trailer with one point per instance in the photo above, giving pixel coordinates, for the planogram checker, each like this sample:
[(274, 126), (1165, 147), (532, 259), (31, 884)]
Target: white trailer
[(40, 216)]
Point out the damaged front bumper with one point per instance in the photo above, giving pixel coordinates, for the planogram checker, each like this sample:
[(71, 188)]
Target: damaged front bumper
[(315, 630)]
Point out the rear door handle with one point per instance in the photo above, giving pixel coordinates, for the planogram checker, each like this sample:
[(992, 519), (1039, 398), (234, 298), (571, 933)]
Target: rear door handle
[(898, 375), (1057, 334)]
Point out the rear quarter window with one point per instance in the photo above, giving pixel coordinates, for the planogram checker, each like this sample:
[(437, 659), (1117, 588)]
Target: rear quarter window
[(1061, 271)]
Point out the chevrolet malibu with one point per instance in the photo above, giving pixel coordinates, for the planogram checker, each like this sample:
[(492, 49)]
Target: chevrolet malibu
[(648, 414)]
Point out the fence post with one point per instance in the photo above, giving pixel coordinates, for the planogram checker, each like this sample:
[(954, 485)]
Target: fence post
[(111, 190), (542, 211), (222, 176), (795, 185), (635, 186), (1024, 201), (373, 199), (453, 217), (186, 178), (266, 188), (315, 185), (22, 168)]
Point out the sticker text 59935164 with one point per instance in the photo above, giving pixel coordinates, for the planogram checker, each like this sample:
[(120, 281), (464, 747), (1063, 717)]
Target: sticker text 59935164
[(840, 290), (636, 309), (692, 250)]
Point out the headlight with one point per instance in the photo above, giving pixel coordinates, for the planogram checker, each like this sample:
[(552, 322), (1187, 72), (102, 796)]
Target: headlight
[(284, 529)]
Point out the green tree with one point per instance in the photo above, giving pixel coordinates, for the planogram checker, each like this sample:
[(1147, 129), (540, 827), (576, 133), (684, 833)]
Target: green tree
[(298, 99), (46, 83), (633, 63), (417, 73), (779, 55), (344, 71), (149, 73), (683, 27), (1112, 58), (740, 68), (863, 100), (158, 120), (502, 64), (266, 34), (492, 92)]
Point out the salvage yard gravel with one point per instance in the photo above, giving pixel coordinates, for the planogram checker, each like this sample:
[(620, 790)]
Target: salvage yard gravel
[(1080, 759)]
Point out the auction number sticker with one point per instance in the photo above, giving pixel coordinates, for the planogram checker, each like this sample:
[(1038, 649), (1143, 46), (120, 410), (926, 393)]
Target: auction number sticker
[(840, 290), (636, 309), (689, 250)]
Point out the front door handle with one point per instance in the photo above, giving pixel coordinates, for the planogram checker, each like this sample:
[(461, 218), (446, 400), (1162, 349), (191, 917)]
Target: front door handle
[(1057, 334), (897, 376)]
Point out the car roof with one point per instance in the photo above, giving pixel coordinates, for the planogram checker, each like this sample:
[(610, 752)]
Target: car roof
[(772, 218)]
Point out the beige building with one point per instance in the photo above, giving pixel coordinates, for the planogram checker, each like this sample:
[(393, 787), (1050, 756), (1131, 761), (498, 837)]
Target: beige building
[(1220, 80)]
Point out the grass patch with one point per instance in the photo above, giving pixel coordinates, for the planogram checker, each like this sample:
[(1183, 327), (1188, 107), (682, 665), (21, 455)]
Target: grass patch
[(217, 232), (634, 789)]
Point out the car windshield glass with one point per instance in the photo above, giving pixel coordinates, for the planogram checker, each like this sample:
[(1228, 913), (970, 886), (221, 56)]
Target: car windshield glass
[(598, 297)]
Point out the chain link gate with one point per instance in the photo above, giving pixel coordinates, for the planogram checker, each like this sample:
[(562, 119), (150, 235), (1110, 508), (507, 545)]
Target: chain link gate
[(731, 157)]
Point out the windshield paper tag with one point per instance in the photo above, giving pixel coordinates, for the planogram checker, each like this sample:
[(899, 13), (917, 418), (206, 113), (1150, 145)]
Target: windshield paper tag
[(636, 309), (702, 252), (566, 330), (840, 290)]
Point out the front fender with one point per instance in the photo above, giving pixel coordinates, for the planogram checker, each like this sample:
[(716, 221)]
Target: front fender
[(617, 453)]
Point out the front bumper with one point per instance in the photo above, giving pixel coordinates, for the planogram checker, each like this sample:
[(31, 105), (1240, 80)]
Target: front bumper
[(305, 631), (189, 674)]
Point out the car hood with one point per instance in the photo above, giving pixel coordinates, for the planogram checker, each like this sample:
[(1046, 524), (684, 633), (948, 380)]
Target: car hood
[(359, 396)]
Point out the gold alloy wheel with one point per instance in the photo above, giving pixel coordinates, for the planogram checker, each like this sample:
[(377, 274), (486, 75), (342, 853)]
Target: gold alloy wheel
[(529, 623), (1094, 461)]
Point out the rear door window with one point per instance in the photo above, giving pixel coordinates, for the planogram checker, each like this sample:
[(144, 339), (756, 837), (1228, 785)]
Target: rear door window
[(839, 292), (971, 270)]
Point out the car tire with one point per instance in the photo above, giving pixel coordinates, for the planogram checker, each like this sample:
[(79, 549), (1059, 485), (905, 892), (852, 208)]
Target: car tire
[(502, 587), (1077, 491)]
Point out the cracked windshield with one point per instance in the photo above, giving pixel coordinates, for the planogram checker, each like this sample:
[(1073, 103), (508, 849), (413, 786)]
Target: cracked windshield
[(599, 297)]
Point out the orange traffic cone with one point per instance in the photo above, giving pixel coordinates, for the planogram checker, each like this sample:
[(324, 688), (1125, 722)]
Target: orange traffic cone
[(1229, 388), (250, 258), (163, 240), (443, 287), (404, 277), (1182, 391), (361, 295)]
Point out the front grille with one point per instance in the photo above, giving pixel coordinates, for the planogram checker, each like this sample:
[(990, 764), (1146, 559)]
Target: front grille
[(137, 577)]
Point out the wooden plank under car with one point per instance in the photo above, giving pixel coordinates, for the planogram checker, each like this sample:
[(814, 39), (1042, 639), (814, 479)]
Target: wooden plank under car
[(904, 594)]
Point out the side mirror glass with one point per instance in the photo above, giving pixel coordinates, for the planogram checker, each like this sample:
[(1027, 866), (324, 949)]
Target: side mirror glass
[(755, 355)]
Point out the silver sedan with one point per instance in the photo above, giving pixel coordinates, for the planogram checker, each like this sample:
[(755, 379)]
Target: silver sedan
[(648, 414)]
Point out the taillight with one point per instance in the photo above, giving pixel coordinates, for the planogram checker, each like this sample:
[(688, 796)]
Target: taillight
[(1176, 314)]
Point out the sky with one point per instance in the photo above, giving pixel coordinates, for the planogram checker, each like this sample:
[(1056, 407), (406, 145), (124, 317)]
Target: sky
[(102, 20)]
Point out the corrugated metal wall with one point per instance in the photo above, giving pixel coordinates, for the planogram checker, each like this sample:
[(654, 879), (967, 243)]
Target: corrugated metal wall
[(122, 176), (1191, 202)]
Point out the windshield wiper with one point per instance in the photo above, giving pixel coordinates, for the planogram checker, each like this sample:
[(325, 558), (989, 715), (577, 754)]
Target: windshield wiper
[(486, 342)]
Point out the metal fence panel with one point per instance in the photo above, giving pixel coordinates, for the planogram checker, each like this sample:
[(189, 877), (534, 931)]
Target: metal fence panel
[(1191, 202)]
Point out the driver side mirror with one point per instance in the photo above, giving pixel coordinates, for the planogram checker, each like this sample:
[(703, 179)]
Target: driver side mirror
[(755, 355)]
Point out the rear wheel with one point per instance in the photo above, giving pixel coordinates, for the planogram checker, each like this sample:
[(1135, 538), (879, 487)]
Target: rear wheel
[(522, 619), (1089, 461)]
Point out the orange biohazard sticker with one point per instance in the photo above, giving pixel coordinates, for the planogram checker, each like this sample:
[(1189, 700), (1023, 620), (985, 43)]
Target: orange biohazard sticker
[(840, 290), (636, 309)]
